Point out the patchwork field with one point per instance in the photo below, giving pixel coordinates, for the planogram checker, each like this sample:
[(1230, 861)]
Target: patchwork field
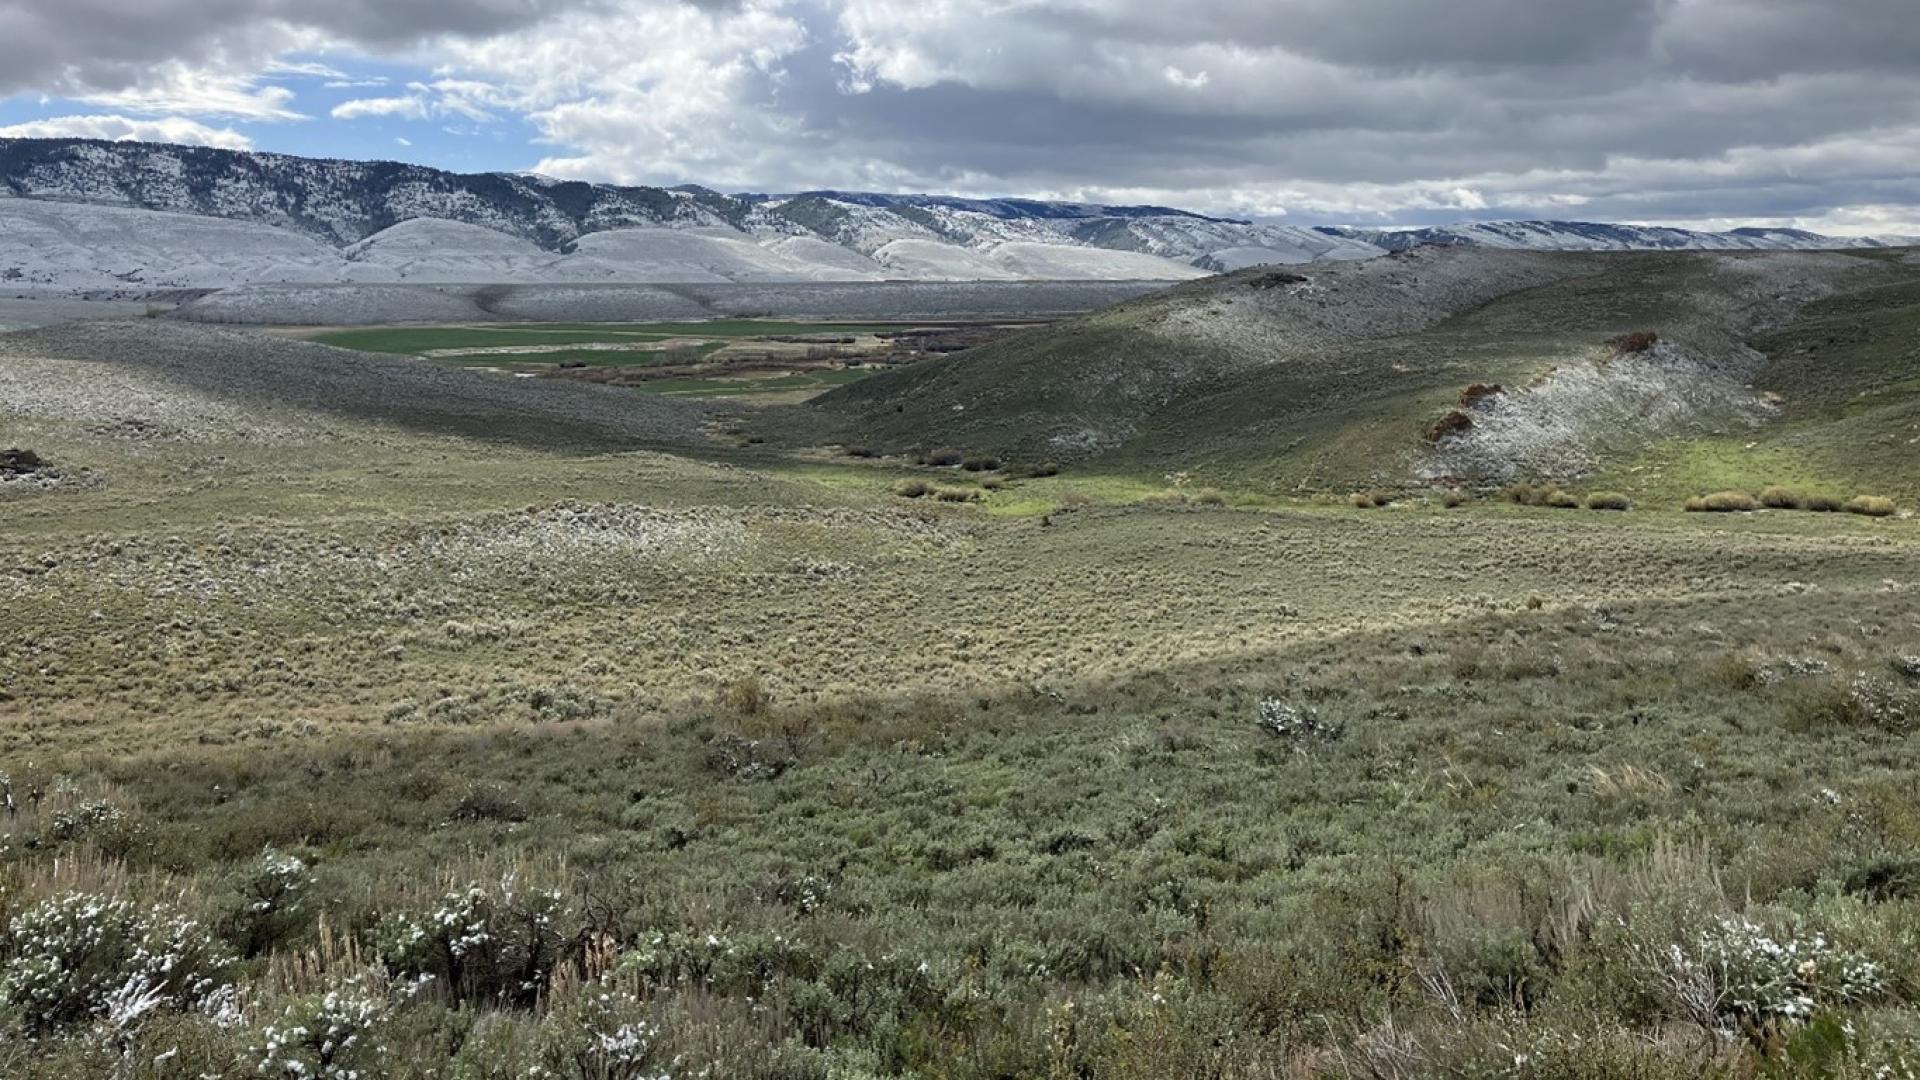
[(379, 717), (761, 358)]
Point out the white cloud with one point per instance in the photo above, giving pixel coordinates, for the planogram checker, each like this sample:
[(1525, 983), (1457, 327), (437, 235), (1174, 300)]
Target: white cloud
[(179, 89), (171, 129), (407, 108)]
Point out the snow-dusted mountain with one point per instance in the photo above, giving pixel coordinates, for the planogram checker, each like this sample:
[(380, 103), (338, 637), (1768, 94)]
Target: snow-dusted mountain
[(1594, 236), (85, 214)]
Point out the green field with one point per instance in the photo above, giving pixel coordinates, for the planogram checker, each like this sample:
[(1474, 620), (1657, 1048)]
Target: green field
[(413, 340), (736, 387), (360, 716)]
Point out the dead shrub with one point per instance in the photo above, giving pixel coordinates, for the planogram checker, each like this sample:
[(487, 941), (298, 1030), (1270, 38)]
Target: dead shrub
[(1823, 504), (945, 457), (1450, 425), (1453, 497), (1638, 341), (981, 463), (1475, 393), (1775, 497), (956, 495), (1560, 499), (1608, 500), (1870, 506), (1722, 502), (912, 489)]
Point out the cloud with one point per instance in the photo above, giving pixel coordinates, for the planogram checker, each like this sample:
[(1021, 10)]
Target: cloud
[(1312, 110), (170, 129), (179, 89), (407, 108), (464, 98)]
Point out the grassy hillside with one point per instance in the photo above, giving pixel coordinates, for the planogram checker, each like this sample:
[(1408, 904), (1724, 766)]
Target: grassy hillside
[(1331, 379), (372, 718)]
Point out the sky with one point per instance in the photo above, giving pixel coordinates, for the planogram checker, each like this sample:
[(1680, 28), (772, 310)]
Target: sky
[(1706, 113)]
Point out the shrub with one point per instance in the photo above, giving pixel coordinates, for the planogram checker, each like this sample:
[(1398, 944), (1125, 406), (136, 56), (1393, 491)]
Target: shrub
[(1608, 500), (1723, 502), (861, 452), (1362, 500), (80, 957), (1823, 504), (912, 489), (1475, 393), (1870, 506), (1560, 499), (1045, 468), (1780, 498), (1637, 342), (746, 695), (496, 945), (271, 902), (1209, 497), (1453, 497), (1453, 423), (1737, 970), (603, 1034), (18, 462), (957, 495), (981, 463), (945, 457), (1294, 723), (330, 1036)]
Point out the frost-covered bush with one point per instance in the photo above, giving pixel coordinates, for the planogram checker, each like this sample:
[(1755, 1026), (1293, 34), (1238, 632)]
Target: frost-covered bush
[(1737, 971), (1291, 722), (495, 944), (604, 1034), (333, 1035), (271, 903), (78, 958)]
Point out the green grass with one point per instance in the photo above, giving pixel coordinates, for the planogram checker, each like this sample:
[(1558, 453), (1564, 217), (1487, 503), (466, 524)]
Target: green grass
[(677, 354), (414, 340), (1079, 781)]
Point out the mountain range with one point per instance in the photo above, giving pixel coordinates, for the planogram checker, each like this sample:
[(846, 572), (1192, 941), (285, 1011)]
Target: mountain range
[(83, 214)]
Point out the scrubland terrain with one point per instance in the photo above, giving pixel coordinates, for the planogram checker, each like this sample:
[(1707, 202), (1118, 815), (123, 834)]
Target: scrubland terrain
[(363, 715)]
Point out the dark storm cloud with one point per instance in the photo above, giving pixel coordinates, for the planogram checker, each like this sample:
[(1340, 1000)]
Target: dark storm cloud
[(1320, 109), (64, 45)]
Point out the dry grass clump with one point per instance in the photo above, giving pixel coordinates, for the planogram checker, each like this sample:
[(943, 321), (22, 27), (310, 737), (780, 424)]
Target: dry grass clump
[(981, 463), (1637, 342), (1723, 502), (1524, 494), (1209, 497), (1454, 423), (945, 457), (1453, 497), (1608, 500), (956, 495), (1475, 393), (1370, 500), (860, 451), (1823, 504), (1870, 506), (913, 489), (1028, 472), (1776, 497)]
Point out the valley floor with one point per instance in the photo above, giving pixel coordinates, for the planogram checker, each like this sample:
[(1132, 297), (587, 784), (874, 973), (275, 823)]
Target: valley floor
[(433, 733)]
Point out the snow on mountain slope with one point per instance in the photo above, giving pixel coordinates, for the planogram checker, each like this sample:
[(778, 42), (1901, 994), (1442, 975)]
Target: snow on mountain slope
[(87, 247), (434, 251), (931, 260), (664, 255), (88, 214), (1059, 262), (1597, 236)]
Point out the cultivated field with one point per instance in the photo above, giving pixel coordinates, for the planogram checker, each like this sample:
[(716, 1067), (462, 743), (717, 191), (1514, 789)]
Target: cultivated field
[(366, 716)]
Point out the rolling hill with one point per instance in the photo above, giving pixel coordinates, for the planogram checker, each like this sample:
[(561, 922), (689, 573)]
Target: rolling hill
[(1768, 367)]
